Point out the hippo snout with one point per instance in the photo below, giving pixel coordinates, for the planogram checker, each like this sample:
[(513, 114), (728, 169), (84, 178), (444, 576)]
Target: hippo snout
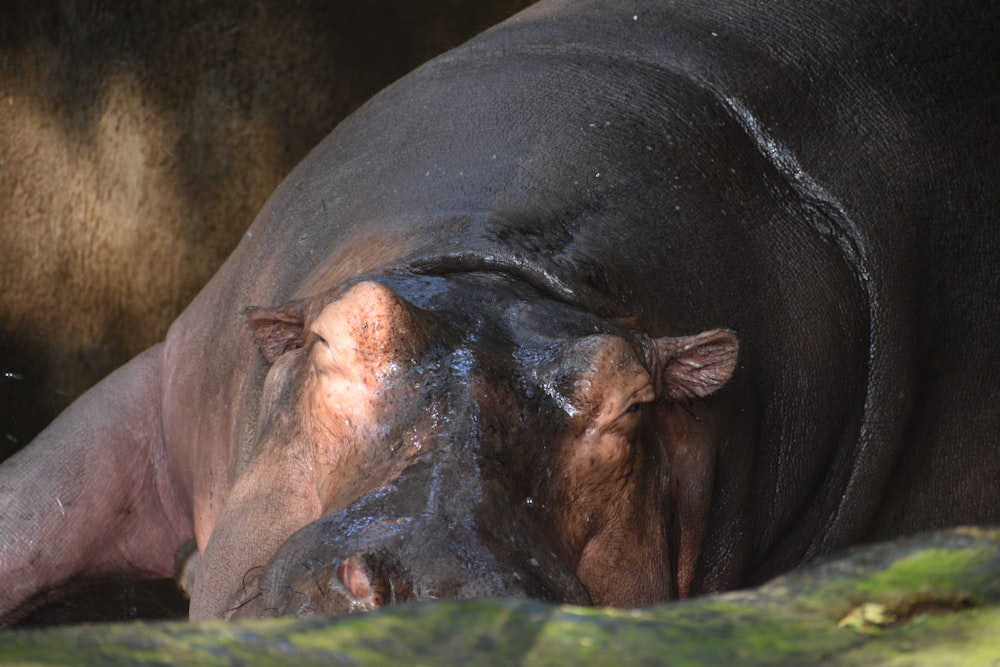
[(352, 562), (331, 566)]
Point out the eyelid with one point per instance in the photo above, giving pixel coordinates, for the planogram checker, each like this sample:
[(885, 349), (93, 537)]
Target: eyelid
[(641, 397), (315, 336)]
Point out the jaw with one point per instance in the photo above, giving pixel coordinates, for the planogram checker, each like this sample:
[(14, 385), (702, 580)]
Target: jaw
[(628, 563), (230, 561)]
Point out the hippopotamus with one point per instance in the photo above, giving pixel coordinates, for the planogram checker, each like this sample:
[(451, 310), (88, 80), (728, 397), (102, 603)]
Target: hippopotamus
[(617, 303)]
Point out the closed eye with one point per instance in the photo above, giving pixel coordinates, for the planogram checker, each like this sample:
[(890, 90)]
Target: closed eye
[(314, 336), (629, 419), (640, 398)]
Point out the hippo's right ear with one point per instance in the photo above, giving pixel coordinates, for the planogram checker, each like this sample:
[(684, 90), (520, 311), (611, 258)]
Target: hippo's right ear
[(278, 330), (696, 366)]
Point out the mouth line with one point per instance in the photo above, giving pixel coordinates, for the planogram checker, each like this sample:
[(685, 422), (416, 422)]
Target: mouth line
[(248, 593)]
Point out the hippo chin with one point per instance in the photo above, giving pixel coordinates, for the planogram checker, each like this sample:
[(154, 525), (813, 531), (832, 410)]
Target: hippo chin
[(617, 303)]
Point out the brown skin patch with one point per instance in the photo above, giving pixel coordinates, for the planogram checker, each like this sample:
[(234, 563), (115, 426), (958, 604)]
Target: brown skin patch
[(617, 474), (606, 473), (692, 456)]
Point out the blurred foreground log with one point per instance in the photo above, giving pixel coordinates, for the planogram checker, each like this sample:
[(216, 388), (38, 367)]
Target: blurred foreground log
[(928, 600)]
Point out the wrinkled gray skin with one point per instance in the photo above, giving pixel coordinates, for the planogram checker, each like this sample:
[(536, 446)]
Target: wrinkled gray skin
[(619, 302)]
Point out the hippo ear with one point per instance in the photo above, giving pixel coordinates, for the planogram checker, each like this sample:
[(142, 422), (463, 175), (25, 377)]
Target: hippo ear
[(696, 366), (278, 330)]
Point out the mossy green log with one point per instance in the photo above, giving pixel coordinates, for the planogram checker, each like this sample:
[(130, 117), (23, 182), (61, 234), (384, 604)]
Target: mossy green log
[(928, 600)]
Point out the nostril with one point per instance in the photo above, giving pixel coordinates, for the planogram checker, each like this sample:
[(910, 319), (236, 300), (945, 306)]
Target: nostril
[(358, 583), (354, 578)]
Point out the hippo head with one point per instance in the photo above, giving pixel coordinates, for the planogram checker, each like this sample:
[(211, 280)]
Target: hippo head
[(459, 436)]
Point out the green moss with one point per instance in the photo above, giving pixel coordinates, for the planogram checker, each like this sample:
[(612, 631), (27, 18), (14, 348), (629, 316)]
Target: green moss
[(790, 621), (967, 639), (931, 570), (909, 578), (488, 633)]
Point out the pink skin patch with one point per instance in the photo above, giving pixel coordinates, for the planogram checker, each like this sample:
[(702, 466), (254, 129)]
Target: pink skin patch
[(352, 575)]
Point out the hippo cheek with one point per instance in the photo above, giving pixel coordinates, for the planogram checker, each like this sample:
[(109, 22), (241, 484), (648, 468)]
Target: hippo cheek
[(257, 518), (634, 472), (277, 496)]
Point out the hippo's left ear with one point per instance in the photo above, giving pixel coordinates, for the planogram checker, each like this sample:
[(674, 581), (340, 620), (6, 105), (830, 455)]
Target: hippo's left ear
[(278, 330), (696, 366)]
